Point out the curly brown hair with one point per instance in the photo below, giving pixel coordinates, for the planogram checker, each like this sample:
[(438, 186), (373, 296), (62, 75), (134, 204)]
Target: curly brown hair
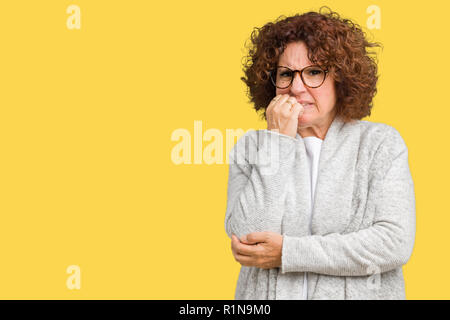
[(334, 43)]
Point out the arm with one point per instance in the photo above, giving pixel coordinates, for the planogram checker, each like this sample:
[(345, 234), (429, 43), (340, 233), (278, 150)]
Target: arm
[(256, 191), (384, 246)]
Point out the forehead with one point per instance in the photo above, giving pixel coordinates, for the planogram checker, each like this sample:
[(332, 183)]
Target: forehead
[(295, 55)]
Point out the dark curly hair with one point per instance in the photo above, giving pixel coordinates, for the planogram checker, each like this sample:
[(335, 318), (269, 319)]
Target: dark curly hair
[(333, 42)]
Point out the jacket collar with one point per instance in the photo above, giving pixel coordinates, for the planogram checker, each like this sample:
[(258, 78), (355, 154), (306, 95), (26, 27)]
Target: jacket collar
[(332, 204)]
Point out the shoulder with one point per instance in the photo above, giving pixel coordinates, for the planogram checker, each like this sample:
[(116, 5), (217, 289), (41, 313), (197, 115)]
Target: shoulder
[(384, 144), (381, 135)]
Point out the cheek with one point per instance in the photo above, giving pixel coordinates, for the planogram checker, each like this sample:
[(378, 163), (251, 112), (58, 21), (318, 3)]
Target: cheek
[(281, 91), (325, 97)]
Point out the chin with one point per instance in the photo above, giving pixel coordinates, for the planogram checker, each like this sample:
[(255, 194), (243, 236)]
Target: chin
[(304, 119)]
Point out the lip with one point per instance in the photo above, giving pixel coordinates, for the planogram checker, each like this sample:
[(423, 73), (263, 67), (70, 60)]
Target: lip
[(305, 102)]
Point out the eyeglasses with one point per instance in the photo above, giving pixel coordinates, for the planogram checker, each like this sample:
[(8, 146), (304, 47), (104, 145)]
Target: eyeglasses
[(312, 76)]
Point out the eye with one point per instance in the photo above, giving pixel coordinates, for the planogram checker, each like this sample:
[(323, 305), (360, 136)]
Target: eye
[(314, 72), (286, 74)]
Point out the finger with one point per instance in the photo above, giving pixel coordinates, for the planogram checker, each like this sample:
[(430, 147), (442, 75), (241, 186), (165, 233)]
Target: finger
[(233, 248), (292, 100), (234, 241), (245, 260), (269, 110), (280, 101), (256, 237), (273, 102), (247, 249), (276, 98), (286, 109), (237, 244), (287, 106), (243, 239), (297, 110)]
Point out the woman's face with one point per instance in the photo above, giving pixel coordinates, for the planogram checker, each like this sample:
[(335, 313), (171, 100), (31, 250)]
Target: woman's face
[(317, 117)]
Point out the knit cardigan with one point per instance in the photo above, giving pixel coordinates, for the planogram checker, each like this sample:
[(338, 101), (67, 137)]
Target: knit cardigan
[(362, 228)]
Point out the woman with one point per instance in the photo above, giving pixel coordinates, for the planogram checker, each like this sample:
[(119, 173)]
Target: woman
[(333, 217)]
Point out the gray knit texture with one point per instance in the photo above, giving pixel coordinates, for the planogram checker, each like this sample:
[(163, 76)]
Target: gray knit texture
[(363, 219)]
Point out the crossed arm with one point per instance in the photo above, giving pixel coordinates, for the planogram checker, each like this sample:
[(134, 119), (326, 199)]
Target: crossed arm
[(254, 200)]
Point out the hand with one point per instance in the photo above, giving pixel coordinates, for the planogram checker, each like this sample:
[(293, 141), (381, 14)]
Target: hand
[(258, 249), (282, 116)]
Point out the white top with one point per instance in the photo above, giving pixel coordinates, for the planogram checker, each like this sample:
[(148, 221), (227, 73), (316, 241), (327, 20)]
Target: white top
[(313, 145)]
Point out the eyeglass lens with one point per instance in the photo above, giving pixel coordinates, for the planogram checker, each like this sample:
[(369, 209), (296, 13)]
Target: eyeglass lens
[(313, 77)]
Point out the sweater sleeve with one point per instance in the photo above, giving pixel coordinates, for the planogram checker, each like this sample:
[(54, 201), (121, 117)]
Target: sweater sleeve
[(256, 182), (384, 246)]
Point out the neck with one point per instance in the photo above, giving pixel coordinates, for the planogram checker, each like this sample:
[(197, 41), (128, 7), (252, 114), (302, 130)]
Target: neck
[(319, 131)]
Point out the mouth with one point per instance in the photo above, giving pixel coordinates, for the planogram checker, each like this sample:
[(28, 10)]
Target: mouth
[(308, 105)]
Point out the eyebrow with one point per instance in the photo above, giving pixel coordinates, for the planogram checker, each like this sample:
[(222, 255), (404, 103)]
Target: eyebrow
[(292, 68)]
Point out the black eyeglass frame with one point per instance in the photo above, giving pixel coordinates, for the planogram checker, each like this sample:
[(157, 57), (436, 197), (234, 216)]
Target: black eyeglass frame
[(326, 71)]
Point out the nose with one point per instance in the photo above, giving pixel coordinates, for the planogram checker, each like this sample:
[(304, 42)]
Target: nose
[(297, 85)]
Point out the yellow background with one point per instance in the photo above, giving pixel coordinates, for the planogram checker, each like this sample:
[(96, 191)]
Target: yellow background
[(86, 176)]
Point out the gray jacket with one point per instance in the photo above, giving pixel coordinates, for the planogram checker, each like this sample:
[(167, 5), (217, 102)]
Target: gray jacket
[(362, 227)]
